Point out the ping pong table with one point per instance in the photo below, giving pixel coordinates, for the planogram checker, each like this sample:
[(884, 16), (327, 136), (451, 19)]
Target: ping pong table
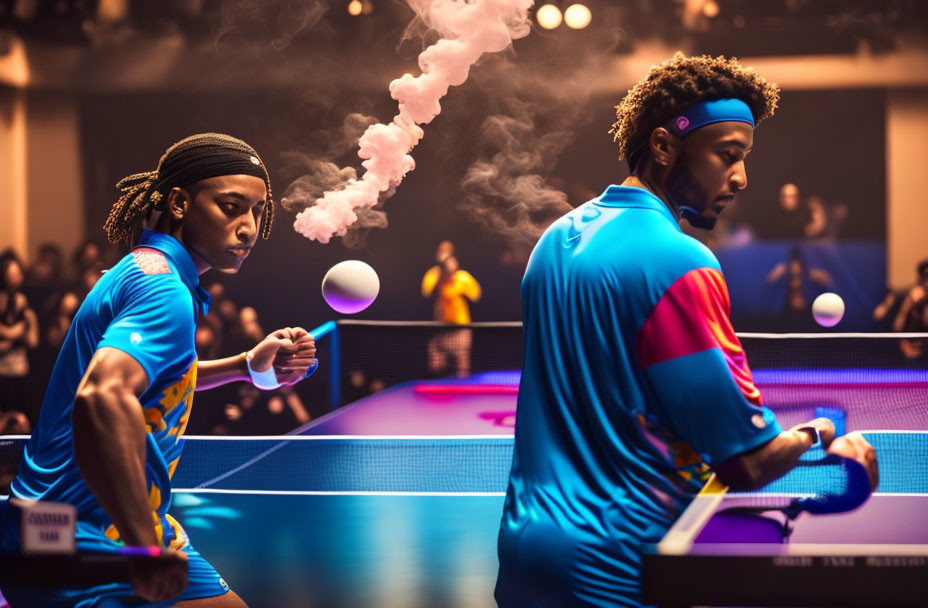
[(395, 500), (716, 554), (407, 491)]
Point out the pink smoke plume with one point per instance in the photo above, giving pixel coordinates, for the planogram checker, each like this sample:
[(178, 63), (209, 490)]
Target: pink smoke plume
[(468, 30)]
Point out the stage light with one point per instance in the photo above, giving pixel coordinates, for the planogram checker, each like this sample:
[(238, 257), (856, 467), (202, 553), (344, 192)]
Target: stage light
[(110, 11), (548, 16), (354, 8), (710, 9), (577, 16)]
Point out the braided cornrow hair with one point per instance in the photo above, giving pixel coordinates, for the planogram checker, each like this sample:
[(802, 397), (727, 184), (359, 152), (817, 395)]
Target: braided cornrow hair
[(187, 161), (268, 213), (124, 223)]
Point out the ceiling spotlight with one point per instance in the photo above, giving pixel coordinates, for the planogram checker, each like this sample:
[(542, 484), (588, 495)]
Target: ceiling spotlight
[(577, 16), (548, 16), (710, 9), (354, 8)]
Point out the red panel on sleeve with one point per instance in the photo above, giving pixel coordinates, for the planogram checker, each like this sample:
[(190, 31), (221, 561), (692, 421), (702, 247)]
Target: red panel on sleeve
[(151, 261), (692, 316)]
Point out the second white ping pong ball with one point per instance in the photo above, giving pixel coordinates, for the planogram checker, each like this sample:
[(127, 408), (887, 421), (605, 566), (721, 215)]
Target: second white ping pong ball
[(828, 309)]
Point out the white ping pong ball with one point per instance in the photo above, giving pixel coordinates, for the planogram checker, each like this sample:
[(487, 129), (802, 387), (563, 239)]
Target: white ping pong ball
[(350, 286), (828, 309)]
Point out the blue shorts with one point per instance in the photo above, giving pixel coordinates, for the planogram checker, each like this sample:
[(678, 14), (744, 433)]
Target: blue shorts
[(202, 581)]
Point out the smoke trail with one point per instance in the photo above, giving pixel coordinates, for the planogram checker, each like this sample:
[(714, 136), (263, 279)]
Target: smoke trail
[(282, 19), (507, 193), (468, 31), (507, 188), (532, 115), (317, 174)]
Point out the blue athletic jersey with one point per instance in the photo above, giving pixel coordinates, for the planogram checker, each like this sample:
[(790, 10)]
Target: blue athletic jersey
[(633, 385), (146, 306)]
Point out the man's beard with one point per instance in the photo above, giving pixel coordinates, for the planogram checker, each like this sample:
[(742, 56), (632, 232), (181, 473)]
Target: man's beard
[(680, 187), (695, 219)]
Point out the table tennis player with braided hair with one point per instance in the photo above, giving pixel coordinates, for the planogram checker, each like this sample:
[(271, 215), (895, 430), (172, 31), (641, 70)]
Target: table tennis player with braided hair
[(109, 433)]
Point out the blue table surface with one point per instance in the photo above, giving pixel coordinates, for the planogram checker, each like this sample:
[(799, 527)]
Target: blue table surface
[(348, 550), (432, 550)]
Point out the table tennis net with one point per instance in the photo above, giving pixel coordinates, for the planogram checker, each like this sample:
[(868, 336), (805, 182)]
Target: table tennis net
[(881, 380), (347, 464), (448, 465), (461, 465)]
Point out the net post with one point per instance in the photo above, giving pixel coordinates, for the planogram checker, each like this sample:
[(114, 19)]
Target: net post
[(335, 385)]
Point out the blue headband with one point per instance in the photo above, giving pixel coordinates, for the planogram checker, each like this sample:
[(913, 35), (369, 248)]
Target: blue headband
[(707, 112)]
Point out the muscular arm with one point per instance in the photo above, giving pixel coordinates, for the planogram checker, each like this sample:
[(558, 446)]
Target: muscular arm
[(758, 467), (211, 374), (772, 460), (109, 442), (290, 350)]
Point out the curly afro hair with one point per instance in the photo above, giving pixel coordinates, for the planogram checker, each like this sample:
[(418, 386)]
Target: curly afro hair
[(680, 82)]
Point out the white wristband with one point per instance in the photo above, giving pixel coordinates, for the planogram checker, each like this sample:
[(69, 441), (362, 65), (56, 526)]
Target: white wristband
[(814, 434), (266, 380)]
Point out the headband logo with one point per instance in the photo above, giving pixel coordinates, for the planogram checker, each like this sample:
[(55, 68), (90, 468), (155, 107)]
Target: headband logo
[(254, 160), (682, 122)]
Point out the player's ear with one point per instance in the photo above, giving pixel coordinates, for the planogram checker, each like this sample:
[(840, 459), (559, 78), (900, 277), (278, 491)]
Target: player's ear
[(178, 203), (664, 146)]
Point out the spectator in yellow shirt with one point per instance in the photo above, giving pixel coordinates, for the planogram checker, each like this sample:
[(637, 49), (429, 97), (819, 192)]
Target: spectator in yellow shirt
[(453, 290)]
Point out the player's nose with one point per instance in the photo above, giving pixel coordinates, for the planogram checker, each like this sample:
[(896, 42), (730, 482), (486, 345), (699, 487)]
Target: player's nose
[(739, 179), (247, 229)]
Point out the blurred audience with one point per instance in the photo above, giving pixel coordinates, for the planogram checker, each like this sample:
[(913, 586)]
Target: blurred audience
[(359, 386), (251, 328), (19, 334), (45, 279), (37, 305), (793, 218), (906, 310), (14, 423), (803, 218), (803, 284), (11, 423), (825, 220), (818, 218), (87, 256), (60, 322)]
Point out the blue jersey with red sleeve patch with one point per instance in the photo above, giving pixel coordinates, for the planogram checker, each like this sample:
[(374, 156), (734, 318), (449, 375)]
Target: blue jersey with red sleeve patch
[(633, 385), (145, 306)]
